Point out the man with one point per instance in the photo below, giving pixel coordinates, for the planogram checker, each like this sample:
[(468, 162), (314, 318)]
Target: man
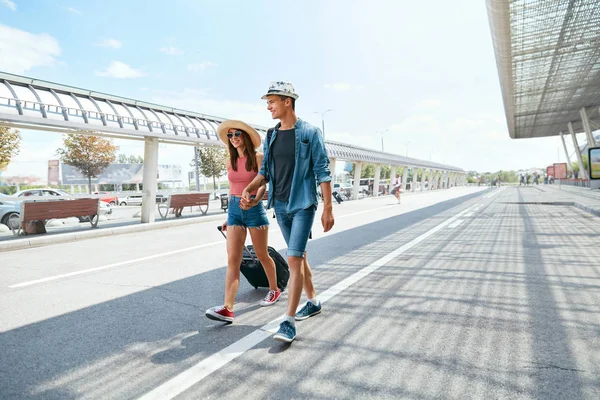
[(295, 160)]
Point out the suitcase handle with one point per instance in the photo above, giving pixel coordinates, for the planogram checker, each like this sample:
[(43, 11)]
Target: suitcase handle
[(220, 229)]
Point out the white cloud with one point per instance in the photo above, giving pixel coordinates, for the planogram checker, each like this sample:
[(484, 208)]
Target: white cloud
[(201, 66), (110, 43), (21, 51), (9, 4), (118, 69), (429, 103), (74, 10), (172, 51), (342, 87)]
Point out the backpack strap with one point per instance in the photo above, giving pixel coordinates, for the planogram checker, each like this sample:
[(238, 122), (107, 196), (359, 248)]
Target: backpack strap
[(269, 135)]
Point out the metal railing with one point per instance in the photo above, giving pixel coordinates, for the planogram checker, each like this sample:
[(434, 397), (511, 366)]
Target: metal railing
[(28, 105)]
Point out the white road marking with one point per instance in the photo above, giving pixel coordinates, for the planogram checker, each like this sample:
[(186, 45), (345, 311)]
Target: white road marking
[(497, 191), (456, 223), (469, 214), (119, 264), (185, 380)]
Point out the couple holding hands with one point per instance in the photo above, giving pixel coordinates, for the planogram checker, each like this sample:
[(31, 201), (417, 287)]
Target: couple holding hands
[(293, 162)]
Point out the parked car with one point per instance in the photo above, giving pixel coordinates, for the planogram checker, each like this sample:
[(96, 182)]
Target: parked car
[(105, 208), (136, 200), (9, 212), (111, 199)]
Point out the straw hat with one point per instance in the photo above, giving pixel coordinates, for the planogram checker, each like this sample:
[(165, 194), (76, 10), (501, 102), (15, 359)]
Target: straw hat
[(224, 127)]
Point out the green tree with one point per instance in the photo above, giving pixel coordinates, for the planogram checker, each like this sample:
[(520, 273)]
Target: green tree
[(367, 171), (10, 141), (129, 159), (211, 162), (89, 154), (575, 164), (385, 172)]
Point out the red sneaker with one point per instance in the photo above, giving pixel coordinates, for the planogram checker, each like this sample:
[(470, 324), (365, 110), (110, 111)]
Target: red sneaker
[(271, 298), (220, 313)]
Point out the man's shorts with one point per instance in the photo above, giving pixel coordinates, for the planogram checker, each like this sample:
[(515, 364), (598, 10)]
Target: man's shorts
[(256, 217), (396, 189), (296, 227)]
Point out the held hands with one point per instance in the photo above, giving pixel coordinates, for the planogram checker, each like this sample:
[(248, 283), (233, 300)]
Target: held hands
[(327, 220), (247, 202), (224, 226)]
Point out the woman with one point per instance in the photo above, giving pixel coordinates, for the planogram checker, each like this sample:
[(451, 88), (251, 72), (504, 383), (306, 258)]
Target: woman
[(242, 166), (397, 182)]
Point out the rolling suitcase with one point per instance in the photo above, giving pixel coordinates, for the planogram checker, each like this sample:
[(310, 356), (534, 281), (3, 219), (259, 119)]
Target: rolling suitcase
[(253, 270), (337, 197)]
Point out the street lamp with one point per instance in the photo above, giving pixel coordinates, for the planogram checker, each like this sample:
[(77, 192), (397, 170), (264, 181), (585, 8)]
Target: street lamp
[(323, 120), (382, 132)]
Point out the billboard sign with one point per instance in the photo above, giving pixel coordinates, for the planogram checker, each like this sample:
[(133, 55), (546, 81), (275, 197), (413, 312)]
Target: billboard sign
[(560, 171), (119, 174), (550, 171), (594, 167), (114, 174), (169, 173)]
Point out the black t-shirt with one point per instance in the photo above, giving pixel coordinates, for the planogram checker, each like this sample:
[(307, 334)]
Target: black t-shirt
[(283, 152)]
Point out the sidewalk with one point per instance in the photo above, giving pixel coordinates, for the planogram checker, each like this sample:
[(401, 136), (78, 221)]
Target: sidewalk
[(123, 220), (583, 198)]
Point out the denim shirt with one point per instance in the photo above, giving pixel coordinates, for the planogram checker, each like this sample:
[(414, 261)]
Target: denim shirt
[(311, 167)]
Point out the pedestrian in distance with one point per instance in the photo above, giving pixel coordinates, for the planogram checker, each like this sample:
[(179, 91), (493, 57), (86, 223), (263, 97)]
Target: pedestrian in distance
[(295, 161), (249, 215), (397, 182)]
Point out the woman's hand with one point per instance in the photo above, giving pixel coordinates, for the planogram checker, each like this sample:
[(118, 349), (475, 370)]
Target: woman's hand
[(248, 204), (224, 226)]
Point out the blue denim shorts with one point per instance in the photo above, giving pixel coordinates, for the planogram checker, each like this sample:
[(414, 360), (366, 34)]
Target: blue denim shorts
[(295, 227), (256, 217)]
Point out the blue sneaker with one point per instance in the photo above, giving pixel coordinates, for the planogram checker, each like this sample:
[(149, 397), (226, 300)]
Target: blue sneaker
[(286, 333), (308, 311)]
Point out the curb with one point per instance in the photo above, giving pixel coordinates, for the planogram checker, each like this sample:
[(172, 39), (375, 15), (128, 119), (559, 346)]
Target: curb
[(587, 209), (20, 244)]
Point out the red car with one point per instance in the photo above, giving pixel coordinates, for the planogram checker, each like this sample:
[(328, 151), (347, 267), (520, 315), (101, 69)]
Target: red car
[(109, 198)]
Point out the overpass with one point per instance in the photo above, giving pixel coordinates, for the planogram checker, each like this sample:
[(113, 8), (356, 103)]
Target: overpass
[(35, 104), (548, 59)]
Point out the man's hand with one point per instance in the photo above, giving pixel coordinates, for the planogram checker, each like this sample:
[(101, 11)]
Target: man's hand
[(245, 199), (247, 204), (327, 220)]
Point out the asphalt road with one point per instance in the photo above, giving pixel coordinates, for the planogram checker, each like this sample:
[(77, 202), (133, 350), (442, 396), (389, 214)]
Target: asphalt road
[(456, 294)]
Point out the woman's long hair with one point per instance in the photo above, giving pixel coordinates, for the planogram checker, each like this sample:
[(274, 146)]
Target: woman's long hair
[(249, 152)]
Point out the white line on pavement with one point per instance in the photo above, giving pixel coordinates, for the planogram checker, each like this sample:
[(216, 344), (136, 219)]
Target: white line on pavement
[(119, 264), (497, 191), (456, 223), (190, 377)]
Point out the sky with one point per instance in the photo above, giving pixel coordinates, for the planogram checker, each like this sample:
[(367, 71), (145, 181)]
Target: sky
[(419, 75)]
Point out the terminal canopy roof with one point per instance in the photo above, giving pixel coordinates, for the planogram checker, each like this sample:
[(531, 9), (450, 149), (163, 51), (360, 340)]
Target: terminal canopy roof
[(35, 104), (548, 58)]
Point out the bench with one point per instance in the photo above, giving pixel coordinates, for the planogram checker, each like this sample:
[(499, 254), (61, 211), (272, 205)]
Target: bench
[(180, 200), (43, 210)]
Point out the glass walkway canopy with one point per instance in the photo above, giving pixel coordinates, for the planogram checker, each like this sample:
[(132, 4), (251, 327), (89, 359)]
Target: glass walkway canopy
[(548, 58)]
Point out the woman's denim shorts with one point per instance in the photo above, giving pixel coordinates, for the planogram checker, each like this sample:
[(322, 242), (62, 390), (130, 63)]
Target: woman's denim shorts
[(256, 217)]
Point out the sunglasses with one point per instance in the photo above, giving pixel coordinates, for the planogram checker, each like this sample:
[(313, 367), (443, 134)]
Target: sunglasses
[(236, 134)]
